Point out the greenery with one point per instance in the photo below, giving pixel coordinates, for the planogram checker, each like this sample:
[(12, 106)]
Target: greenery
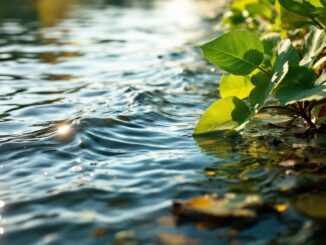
[(281, 68)]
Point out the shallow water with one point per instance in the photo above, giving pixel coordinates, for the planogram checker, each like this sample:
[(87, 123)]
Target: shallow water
[(98, 100)]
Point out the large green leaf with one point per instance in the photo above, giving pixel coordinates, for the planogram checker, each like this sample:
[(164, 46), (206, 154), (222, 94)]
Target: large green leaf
[(238, 86), (286, 54), (261, 92), (314, 43), (237, 52), (299, 85), (226, 113)]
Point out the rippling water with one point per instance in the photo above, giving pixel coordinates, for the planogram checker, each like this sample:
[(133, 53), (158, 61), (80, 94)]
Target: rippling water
[(98, 100)]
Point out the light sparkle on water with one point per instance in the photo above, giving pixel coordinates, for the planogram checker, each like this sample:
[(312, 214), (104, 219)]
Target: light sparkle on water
[(64, 130)]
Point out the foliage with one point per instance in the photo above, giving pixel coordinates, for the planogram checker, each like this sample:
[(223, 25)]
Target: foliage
[(276, 65)]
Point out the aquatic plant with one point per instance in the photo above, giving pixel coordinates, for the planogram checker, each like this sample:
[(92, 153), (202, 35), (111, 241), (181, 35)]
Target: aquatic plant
[(280, 70)]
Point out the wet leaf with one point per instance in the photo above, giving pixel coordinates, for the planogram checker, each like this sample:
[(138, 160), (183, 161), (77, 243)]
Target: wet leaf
[(228, 206), (281, 207)]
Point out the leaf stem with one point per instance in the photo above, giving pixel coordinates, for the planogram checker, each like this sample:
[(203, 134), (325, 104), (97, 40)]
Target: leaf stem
[(317, 23), (263, 70)]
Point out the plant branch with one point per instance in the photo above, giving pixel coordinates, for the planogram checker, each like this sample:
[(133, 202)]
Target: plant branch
[(281, 108), (305, 116)]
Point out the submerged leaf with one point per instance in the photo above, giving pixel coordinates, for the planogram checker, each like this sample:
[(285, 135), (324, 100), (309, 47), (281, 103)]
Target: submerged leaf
[(229, 206), (226, 53), (226, 113)]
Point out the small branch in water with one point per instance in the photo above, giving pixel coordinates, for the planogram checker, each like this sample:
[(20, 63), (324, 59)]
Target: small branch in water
[(305, 116)]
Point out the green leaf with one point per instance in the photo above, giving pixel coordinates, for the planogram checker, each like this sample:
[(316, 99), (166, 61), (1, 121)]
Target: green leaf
[(323, 2), (238, 86), (299, 85), (290, 20), (296, 6), (260, 8), (316, 3), (228, 113), (286, 54), (261, 92), (237, 52), (271, 43), (314, 44)]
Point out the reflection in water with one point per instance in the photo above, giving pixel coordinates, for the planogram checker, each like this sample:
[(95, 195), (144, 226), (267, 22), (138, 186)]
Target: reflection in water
[(46, 12), (50, 12), (63, 131), (218, 146)]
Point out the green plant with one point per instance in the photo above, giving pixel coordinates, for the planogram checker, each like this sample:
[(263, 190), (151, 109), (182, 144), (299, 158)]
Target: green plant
[(250, 14), (270, 67)]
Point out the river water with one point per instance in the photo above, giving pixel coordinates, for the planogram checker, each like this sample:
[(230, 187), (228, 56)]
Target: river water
[(98, 101)]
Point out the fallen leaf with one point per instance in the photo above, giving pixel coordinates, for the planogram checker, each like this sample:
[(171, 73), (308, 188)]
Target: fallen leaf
[(228, 206), (280, 207)]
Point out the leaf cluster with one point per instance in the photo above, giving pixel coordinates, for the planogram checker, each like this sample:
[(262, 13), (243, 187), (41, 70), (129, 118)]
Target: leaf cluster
[(269, 66)]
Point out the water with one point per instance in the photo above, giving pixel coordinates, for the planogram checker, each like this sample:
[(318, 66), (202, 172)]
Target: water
[(98, 100)]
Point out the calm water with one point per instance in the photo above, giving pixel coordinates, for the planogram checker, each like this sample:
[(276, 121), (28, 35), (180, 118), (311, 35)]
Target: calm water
[(98, 100)]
